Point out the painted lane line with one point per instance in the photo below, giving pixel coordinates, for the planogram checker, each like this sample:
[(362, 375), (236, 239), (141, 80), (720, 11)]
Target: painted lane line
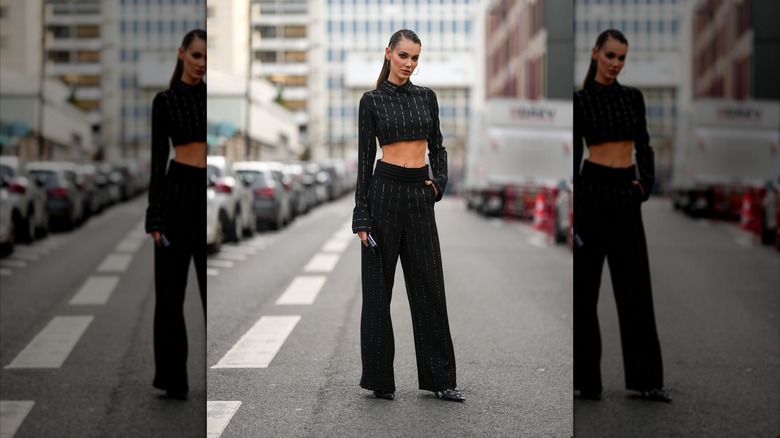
[(239, 249), (337, 244), (13, 263), (26, 257), (12, 414), (53, 344), (258, 243), (129, 245), (5, 272), (322, 263), (218, 415), (96, 290), (303, 290), (219, 263), (212, 272), (259, 345), (35, 250), (229, 256), (115, 263)]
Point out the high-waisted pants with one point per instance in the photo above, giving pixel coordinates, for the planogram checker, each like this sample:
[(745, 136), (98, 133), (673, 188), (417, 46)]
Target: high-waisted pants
[(184, 206), (404, 225), (608, 223)]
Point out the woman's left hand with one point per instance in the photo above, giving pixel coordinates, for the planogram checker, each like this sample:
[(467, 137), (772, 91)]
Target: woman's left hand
[(430, 183)]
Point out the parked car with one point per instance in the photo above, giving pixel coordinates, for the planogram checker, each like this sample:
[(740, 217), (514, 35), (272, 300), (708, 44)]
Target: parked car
[(214, 235), (28, 201), (235, 200), (271, 203), (64, 202), (114, 182), (7, 237)]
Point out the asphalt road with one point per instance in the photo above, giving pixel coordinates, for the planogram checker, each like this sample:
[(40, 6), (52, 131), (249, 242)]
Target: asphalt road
[(717, 301), (509, 305), (103, 385)]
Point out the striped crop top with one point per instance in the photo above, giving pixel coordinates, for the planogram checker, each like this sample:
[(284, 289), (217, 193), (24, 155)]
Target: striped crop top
[(394, 113)]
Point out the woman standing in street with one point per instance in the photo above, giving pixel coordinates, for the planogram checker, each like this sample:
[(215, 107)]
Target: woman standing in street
[(394, 216), (609, 191), (177, 207)]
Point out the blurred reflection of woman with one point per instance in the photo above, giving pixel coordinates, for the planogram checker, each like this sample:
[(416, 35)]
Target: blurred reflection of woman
[(608, 193), (177, 208), (394, 208)]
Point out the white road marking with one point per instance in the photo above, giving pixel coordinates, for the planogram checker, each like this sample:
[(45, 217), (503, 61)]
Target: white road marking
[(25, 256), (12, 414), (96, 290), (303, 290), (5, 272), (322, 263), (259, 345), (218, 415), (129, 245), (238, 249), (212, 272), (53, 344), (36, 250), (337, 244), (219, 263), (258, 243), (115, 263), (538, 241), (13, 263), (231, 256)]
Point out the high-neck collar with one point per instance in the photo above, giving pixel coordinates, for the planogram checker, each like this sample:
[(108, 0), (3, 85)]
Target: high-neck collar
[(183, 86), (598, 87), (392, 88)]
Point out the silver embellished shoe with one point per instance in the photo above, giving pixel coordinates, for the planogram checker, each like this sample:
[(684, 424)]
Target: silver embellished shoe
[(450, 395)]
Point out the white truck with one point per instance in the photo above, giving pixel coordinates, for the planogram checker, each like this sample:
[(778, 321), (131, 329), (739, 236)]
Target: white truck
[(731, 147), (523, 149)]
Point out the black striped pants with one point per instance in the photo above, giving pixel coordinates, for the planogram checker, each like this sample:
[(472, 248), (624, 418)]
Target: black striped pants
[(608, 223), (184, 205), (404, 225)]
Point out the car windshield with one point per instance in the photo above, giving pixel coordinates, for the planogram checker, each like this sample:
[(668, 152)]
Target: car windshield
[(44, 177), (257, 177), (6, 173), (213, 170)]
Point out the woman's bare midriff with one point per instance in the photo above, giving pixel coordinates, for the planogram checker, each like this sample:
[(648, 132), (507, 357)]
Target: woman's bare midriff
[(615, 154), (405, 153), (191, 154)]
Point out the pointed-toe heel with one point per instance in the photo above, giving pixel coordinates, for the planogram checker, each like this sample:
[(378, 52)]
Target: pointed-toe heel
[(656, 394), (384, 395), (450, 395)]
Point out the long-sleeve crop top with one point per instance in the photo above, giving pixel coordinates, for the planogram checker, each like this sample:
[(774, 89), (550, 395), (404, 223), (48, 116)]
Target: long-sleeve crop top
[(613, 113), (178, 114), (396, 113)]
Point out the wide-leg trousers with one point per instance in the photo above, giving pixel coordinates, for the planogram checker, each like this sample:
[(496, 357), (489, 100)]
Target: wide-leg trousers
[(184, 206), (404, 225), (608, 224)]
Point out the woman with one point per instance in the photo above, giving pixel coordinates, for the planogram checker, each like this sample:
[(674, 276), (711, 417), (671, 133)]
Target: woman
[(608, 192), (394, 209), (177, 205)]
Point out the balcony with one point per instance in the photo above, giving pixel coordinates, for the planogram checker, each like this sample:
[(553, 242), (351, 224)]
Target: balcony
[(65, 68), (267, 69), (53, 43), (281, 44)]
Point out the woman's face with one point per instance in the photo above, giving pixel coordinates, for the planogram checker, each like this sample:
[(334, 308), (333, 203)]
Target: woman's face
[(610, 60), (403, 60), (194, 60)]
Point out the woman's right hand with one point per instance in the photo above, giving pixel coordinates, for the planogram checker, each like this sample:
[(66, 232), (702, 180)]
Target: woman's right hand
[(363, 235), (156, 237)]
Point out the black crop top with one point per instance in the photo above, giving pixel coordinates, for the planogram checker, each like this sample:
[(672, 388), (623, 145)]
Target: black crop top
[(396, 113), (178, 114), (613, 113)]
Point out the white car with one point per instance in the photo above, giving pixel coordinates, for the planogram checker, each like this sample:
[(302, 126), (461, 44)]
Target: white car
[(213, 225), (27, 199), (233, 198), (6, 224)]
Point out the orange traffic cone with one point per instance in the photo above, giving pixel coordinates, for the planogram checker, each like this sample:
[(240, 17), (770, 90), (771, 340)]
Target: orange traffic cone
[(746, 216), (540, 212)]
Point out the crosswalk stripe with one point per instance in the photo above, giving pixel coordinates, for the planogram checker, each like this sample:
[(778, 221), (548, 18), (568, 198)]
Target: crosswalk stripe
[(238, 249), (259, 345), (129, 245), (12, 414), (5, 272), (96, 290), (25, 256), (13, 263), (53, 344), (303, 290), (231, 256), (212, 272), (115, 263), (337, 244), (219, 263), (322, 263), (218, 415)]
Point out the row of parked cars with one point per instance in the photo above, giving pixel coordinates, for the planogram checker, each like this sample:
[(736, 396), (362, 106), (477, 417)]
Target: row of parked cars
[(38, 196), (248, 196)]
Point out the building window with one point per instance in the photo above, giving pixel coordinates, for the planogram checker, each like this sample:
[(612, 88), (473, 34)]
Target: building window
[(87, 32), (267, 31), (295, 31), (295, 56), (265, 56), (59, 56), (88, 56)]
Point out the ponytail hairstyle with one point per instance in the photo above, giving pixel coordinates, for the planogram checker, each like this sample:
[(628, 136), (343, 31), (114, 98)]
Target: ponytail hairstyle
[(405, 34), (602, 38), (191, 35)]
